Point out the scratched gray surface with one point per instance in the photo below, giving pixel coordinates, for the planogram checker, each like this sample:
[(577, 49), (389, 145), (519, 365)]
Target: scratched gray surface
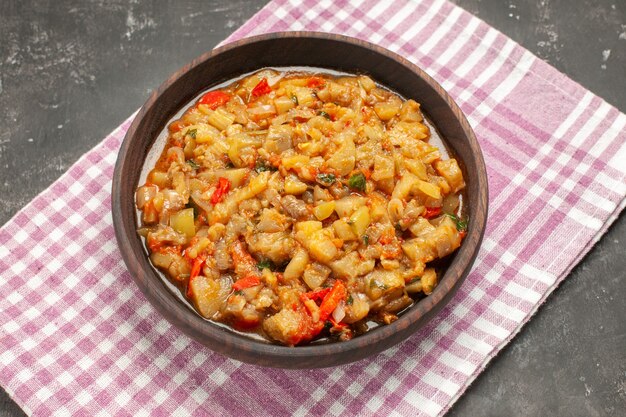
[(71, 71)]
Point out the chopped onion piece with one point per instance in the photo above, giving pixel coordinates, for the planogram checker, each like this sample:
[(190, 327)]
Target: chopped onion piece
[(340, 312)]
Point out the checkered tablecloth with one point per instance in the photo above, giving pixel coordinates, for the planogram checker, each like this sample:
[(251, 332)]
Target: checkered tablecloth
[(78, 337)]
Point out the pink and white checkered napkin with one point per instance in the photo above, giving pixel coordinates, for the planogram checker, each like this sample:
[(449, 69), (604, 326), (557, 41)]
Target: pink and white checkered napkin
[(78, 337)]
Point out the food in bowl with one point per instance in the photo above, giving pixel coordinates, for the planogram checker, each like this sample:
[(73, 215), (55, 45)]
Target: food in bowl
[(302, 206)]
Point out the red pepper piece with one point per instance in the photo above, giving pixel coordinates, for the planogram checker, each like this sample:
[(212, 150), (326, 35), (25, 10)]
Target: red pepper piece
[(247, 282), (195, 271), (315, 82), (214, 99), (317, 295), (243, 263), (332, 300), (261, 88), (431, 212), (223, 186)]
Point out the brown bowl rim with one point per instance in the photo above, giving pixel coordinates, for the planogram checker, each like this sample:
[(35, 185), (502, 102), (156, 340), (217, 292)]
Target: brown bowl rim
[(247, 349)]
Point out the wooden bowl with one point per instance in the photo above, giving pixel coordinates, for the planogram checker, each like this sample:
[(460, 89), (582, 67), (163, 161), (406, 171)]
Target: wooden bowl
[(282, 50)]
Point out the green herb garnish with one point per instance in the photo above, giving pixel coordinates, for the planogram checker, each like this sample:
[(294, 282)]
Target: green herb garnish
[(191, 132), (366, 240), (266, 263), (357, 181), (324, 114), (294, 99), (193, 164), (327, 179), (262, 166), (350, 300), (461, 225)]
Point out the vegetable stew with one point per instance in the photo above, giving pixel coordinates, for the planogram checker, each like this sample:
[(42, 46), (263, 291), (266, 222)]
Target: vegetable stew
[(301, 206)]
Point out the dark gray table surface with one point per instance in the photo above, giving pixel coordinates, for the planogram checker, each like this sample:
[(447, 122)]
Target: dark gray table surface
[(71, 71)]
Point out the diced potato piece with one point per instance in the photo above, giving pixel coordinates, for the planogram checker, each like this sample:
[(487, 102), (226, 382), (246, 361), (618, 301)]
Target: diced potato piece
[(294, 186), (206, 295), (287, 326), (176, 266), (338, 93), (183, 222), (269, 277), (274, 246), (260, 111), (144, 195), (374, 133), (295, 161), (435, 243), (324, 210), (404, 186), (386, 111), (323, 250), (344, 158), (250, 82), (221, 119), (429, 280), (304, 95), (378, 210), (315, 274), (278, 139), (450, 170), (297, 265), (352, 266), (380, 282), (347, 205), (322, 247), (421, 226), (283, 104), (204, 133), (159, 178), (256, 185), (383, 168), (367, 83), (360, 220), (202, 243), (431, 190), (343, 230), (357, 309), (402, 133), (410, 112), (308, 227), (235, 176), (414, 287), (271, 221), (417, 167)]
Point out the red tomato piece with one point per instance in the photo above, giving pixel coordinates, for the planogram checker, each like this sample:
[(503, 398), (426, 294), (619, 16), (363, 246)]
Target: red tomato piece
[(332, 300), (261, 88), (223, 186), (214, 99), (317, 295), (431, 212), (247, 282), (195, 271), (315, 82)]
